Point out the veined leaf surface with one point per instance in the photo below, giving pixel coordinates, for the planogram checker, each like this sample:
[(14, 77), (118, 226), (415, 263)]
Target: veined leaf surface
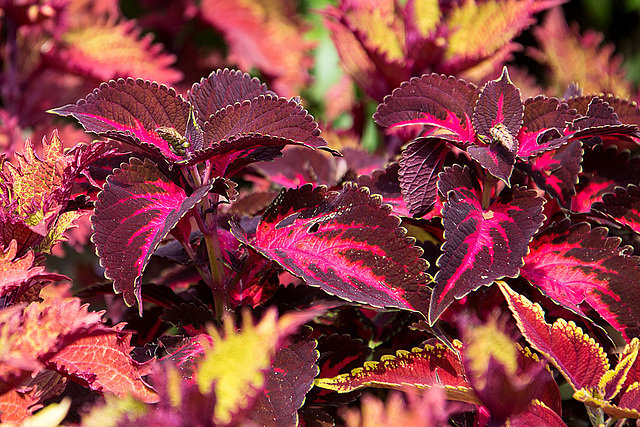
[(576, 264), (346, 243), (136, 210), (482, 245)]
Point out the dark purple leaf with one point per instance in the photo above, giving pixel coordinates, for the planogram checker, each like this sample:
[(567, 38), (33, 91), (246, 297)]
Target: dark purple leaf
[(135, 211), (386, 184), (292, 372), (556, 172), (543, 124), (432, 100), (223, 88), (265, 115), (300, 166), (482, 245), (132, 111), (499, 104), (622, 206), (419, 167), (602, 171), (496, 158), (346, 243), (576, 264)]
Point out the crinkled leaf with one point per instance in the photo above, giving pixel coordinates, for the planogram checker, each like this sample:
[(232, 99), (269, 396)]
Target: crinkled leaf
[(223, 88), (578, 357), (576, 264), (132, 111), (292, 372), (33, 334), (106, 50), (17, 406), (556, 172), (346, 243), (537, 414), (103, 364), (432, 100), (622, 206), (571, 57), (19, 274), (136, 210), (482, 245), (433, 365), (419, 167)]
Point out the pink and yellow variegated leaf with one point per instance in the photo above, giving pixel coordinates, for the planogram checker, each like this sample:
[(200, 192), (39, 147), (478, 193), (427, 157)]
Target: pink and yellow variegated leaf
[(33, 334), (615, 411), (423, 368), (132, 111), (346, 243), (432, 100), (482, 245), (480, 29), (622, 206), (576, 264), (19, 274), (613, 380), (571, 57), (135, 211), (107, 50), (223, 88), (577, 356), (103, 364), (537, 414)]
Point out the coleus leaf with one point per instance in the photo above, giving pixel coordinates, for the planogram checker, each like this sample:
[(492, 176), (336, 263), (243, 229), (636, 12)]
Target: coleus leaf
[(291, 377), (622, 206), (386, 184), (236, 366), (224, 88), (331, 240), (32, 335), (493, 368), (557, 171), (536, 414), (433, 100), (421, 161), (19, 274), (571, 57), (576, 264), (263, 35), (137, 208), (578, 357), (105, 50), (482, 244), (131, 111), (423, 368), (102, 363)]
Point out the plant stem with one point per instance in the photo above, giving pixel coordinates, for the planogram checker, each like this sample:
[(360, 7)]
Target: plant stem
[(487, 186), (596, 416), (209, 209)]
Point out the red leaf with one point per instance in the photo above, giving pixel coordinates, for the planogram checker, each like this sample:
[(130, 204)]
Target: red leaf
[(103, 364), (136, 210), (575, 264), (577, 356), (482, 245), (537, 414), (622, 206), (346, 243)]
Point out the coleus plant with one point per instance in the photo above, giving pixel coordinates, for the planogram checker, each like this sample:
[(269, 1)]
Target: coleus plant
[(511, 163)]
